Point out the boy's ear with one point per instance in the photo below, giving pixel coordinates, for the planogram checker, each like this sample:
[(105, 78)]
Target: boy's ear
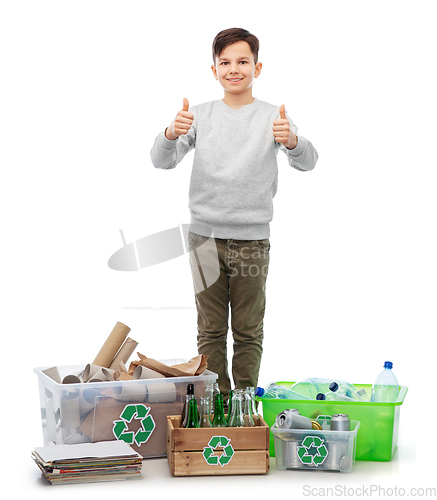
[(258, 68), (214, 71)]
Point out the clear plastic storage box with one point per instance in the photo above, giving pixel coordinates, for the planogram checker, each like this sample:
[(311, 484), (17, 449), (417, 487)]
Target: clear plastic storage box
[(134, 411), (315, 450)]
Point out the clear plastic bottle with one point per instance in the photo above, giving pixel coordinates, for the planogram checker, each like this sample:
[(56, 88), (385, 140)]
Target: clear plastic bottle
[(274, 391), (386, 387), (310, 387), (345, 390)]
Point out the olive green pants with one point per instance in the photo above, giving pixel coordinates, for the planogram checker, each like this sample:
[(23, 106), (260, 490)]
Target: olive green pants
[(230, 275)]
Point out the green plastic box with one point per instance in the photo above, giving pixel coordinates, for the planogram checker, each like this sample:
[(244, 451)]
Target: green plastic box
[(378, 435)]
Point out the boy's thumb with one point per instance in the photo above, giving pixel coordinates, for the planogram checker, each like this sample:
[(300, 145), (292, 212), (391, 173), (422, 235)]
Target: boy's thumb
[(186, 105), (282, 112)]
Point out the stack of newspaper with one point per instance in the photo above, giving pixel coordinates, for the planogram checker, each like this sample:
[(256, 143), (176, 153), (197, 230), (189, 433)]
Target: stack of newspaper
[(88, 462)]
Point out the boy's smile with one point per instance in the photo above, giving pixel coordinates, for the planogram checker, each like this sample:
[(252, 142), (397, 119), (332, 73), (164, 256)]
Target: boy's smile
[(235, 70)]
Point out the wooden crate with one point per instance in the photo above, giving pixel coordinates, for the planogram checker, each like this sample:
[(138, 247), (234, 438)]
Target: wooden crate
[(217, 450)]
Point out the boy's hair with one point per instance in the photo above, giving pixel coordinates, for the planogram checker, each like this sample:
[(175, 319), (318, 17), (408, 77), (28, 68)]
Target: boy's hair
[(232, 35)]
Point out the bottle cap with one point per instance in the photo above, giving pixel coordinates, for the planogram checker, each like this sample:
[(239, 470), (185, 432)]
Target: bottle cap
[(320, 396), (333, 386), (259, 391), (388, 364)]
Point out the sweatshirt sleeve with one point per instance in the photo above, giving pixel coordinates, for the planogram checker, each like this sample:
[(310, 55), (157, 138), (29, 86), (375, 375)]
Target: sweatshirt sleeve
[(304, 156), (167, 154)]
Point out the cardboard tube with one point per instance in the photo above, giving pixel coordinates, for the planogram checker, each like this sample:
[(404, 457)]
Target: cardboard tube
[(88, 399), (132, 393), (70, 413), (124, 353), (71, 379), (53, 373), (90, 371), (161, 393), (144, 373), (112, 345), (103, 375)]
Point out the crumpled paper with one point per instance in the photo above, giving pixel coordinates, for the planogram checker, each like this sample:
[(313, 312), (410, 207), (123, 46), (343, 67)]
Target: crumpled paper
[(195, 366)]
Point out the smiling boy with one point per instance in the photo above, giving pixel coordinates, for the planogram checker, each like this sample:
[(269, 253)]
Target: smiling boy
[(233, 182)]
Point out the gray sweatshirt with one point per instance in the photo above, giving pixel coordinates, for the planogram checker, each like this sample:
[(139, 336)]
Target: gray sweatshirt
[(235, 173)]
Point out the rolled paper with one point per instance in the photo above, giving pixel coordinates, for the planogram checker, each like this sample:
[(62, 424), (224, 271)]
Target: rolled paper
[(124, 353), (70, 413), (161, 393), (71, 379), (53, 373), (132, 393), (125, 376), (90, 371), (103, 375), (141, 372), (112, 345)]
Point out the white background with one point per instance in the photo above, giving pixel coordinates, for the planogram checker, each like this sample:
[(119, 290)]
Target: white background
[(87, 85)]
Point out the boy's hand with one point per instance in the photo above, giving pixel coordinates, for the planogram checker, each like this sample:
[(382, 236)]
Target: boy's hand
[(282, 131), (181, 124)]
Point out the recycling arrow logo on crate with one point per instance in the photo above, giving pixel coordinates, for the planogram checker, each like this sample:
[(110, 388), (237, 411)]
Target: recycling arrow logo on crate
[(225, 457), (138, 412), (312, 451)]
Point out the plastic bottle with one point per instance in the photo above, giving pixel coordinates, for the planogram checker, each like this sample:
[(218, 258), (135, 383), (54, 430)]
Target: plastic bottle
[(386, 387), (345, 390), (274, 391), (310, 387)]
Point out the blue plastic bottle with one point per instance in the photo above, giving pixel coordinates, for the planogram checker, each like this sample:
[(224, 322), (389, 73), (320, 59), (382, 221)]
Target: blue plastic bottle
[(386, 388), (344, 390), (274, 391)]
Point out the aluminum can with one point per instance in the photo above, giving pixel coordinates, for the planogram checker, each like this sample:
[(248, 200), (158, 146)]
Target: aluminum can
[(340, 422), (292, 419)]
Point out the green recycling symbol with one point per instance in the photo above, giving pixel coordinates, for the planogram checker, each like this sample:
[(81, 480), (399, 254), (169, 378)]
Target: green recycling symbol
[(312, 451), (225, 457), (139, 412)]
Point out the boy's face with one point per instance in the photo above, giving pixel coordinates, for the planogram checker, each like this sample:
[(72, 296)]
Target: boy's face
[(235, 69)]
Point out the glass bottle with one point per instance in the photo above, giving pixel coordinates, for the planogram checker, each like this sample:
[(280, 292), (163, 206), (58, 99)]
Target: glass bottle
[(236, 418), (190, 391), (231, 392), (250, 393), (188, 398), (248, 412), (215, 391), (219, 415), (205, 412), (209, 393), (192, 416)]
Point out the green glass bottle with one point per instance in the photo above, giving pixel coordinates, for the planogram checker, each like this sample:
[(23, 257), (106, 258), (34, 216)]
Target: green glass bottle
[(219, 414), (192, 419), (231, 393)]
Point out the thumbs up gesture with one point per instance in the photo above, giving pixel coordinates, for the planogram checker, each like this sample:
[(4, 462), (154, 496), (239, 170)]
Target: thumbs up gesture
[(282, 130), (181, 124)]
